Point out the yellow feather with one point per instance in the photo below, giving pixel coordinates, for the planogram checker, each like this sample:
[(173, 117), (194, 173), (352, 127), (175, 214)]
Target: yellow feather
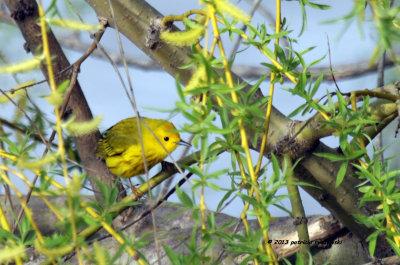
[(122, 151)]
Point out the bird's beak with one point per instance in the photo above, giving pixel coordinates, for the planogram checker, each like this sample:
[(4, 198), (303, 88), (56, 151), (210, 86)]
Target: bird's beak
[(181, 142)]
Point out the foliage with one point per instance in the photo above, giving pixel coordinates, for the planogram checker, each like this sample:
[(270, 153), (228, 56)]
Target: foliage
[(224, 114)]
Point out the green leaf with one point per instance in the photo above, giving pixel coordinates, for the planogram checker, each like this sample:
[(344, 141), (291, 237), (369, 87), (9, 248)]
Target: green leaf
[(174, 214), (183, 197), (331, 157), (394, 246), (253, 213), (297, 110), (171, 255), (341, 173), (4, 234), (365, 189), (372, 239), (275, 167), (213, 186), (304, 17), (280, 53), (25, 229), (255, 87), (314, 62), (316, 85), (316, 6), (179, 89), (299, 259)]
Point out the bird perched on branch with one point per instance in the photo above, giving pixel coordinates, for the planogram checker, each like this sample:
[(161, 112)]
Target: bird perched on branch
[(121, 148)]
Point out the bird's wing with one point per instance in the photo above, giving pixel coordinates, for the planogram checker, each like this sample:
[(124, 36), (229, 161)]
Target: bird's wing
[(118, 138)]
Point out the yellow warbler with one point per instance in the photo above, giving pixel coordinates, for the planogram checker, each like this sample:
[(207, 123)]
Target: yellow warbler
[(120, 145)]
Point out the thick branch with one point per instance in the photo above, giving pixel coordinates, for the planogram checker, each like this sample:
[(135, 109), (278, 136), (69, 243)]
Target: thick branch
[(138, 22), (25, 14)]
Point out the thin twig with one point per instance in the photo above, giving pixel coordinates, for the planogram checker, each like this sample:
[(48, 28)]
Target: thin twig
[(344, 71), (27, 117), (143, 215), (151, 209), (131, 98), (75, 67), (159, 202), (330, 63), (24, 131), (380, 83), (235, 48)]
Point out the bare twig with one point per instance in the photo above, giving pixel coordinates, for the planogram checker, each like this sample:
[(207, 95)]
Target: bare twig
[(24, 131), (264, 12), (151, 208), (27, 117), (75, 67), (330, 64), (235, 48), (159, 202), (73, 43), (345, 71), (132, 100), (380, 83)]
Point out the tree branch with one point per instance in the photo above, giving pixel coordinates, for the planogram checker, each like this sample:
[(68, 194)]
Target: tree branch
[(341, 72), (146, 20), (25, 14)]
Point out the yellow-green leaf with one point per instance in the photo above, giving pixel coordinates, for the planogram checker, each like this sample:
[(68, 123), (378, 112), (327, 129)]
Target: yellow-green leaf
[(55, 98), (183, 38), (49, 192), (76, 128), (100, 256), (341, 173), (74, 25), (37, 164), (15, 91), (76, 184), (225, 7), (53, 252), (22, 67), (9, 254), (196, 79)]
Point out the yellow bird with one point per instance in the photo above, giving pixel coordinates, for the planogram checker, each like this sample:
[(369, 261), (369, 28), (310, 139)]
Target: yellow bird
[(120, 145)]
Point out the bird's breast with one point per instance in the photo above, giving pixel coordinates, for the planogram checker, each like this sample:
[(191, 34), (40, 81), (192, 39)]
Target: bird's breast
[(130, 163)]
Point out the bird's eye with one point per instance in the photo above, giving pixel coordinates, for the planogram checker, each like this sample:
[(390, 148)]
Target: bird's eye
[(166, 138)]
